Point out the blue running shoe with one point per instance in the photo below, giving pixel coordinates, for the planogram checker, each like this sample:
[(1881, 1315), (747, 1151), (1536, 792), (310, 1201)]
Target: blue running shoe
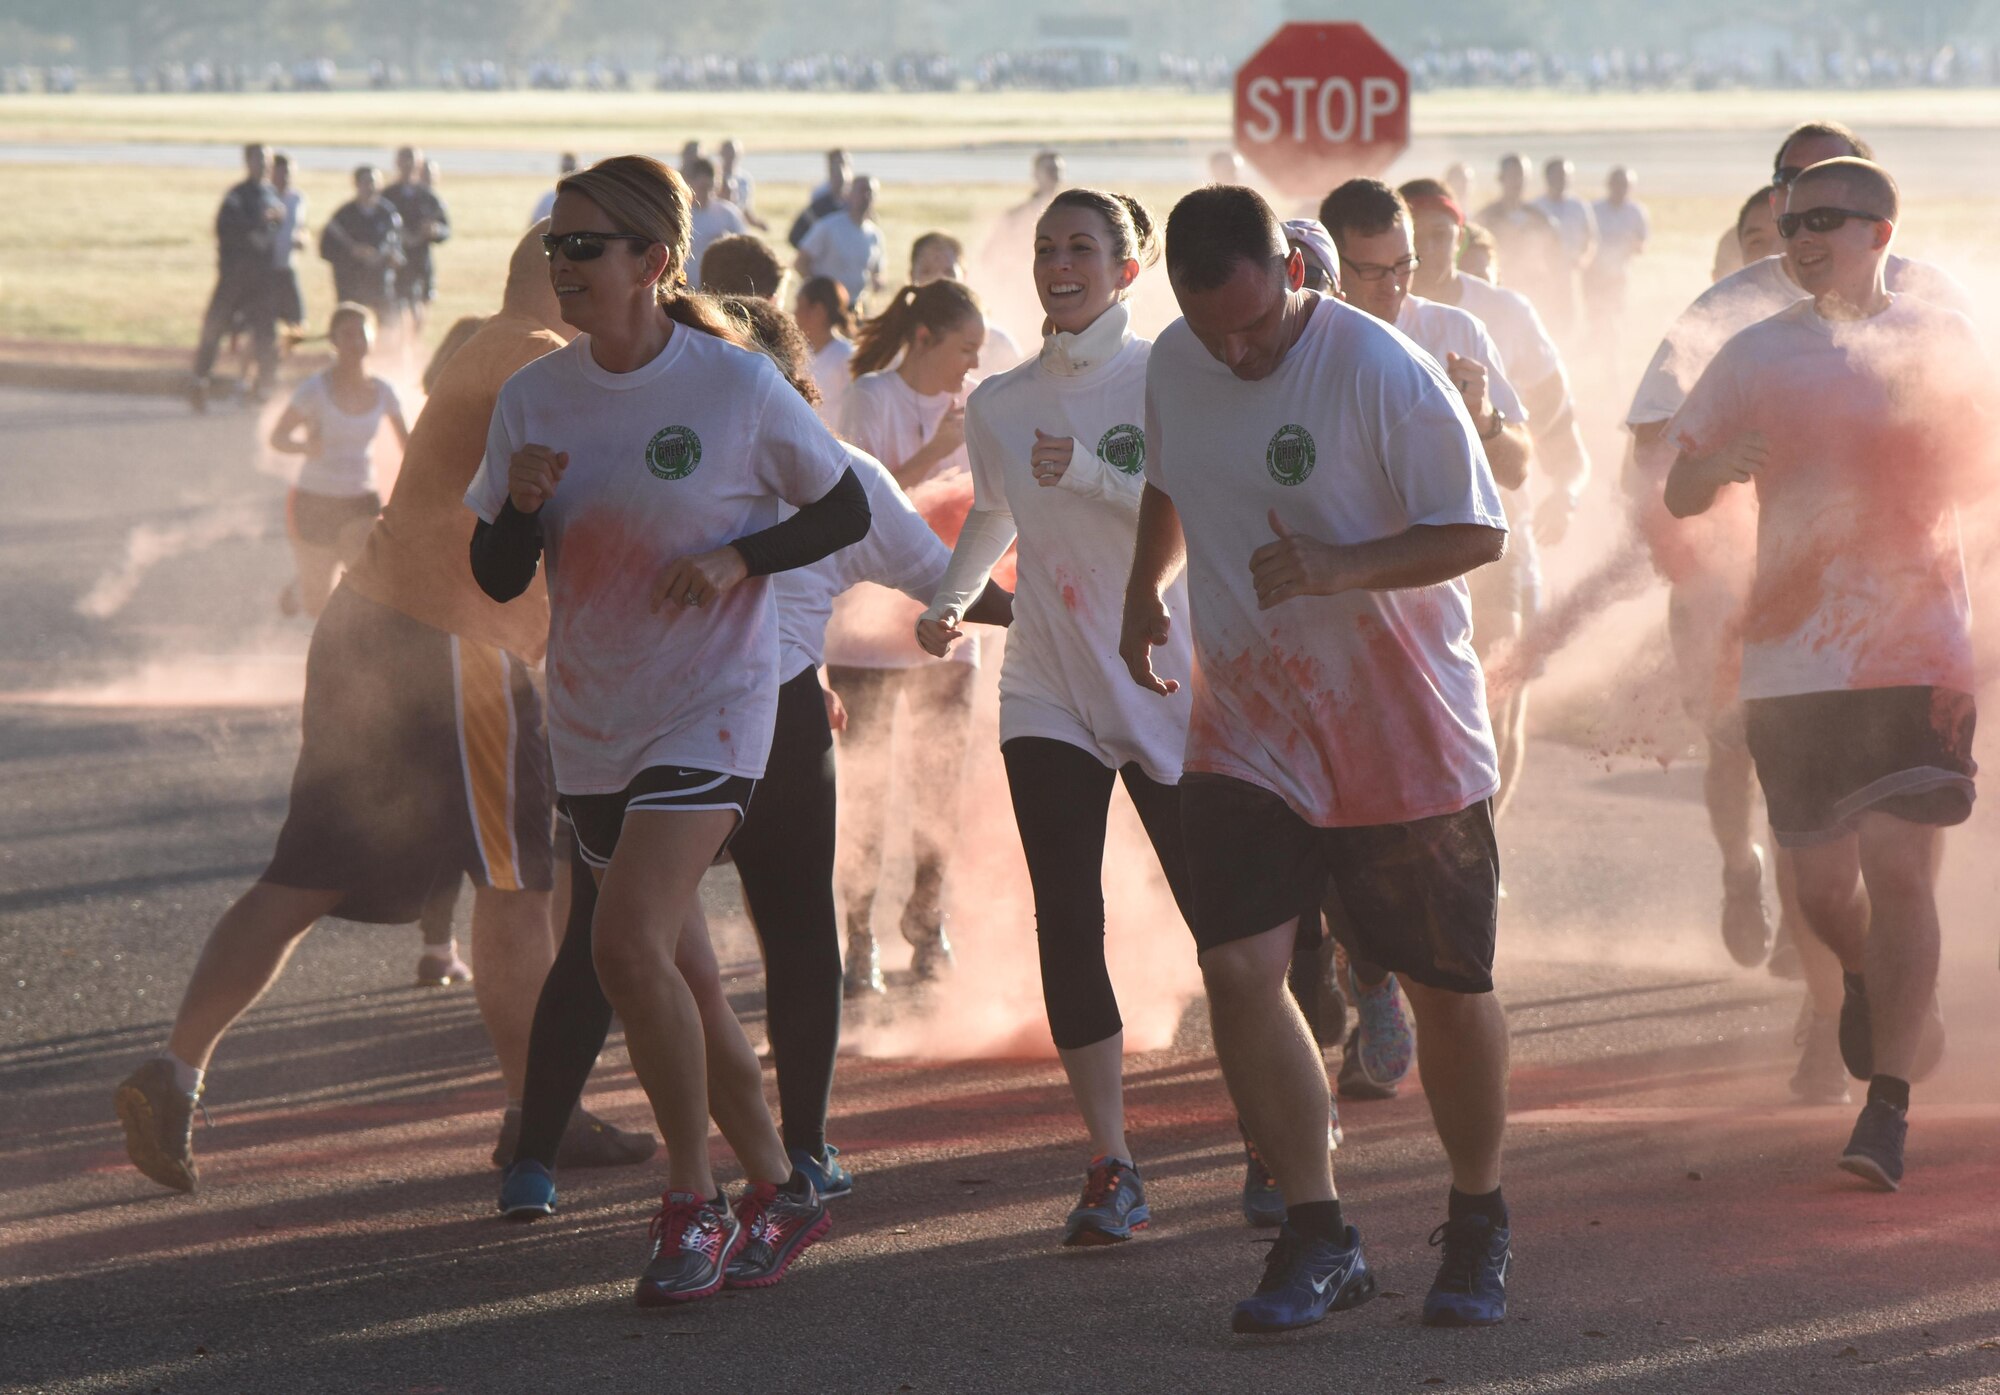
[(830, 1180), (1263, 1202), (1875, 1151), (1303, 1281), (1113, 1205), (1471, 1285), (527, 1192)]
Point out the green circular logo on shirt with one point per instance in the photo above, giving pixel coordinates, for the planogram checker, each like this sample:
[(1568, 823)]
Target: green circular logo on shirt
[(673, 452), (1290, 456), (1123, 448)]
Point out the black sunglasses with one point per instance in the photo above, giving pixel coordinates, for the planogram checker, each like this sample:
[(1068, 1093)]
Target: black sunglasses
[(588, 246), (1820, 220)]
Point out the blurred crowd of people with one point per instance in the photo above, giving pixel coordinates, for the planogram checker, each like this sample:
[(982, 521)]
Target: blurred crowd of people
[(1620, 69)]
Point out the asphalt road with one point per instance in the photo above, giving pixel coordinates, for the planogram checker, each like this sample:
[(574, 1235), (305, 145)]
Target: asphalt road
[(1680, 1227)]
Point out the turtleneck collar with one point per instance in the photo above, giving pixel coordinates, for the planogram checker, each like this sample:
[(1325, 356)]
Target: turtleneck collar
[(1073, 355)]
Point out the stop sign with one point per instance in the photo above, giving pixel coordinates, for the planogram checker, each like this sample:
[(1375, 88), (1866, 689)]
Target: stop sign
[(1319, 104)]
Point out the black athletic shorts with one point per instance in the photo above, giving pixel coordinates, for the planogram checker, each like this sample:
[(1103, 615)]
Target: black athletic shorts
[(424, 755), (319, 519), (1421, 898), (598, 818), (1824, 759)]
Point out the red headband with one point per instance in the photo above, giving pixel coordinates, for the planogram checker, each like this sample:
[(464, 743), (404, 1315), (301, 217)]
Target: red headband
[(1442, 202)]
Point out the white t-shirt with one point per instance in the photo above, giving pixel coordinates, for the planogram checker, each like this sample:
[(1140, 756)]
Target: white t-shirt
[(1363, 708), (685, 455), (1518, 331), (1621, 233), (344, 466), (1873, 426), (890, 420), (1739, 300), (1575, 225), (281, 241), (829, 370), (900, 552), (1446, 329), (851, 254), (997, 354), (1062, 678), (707, 222)]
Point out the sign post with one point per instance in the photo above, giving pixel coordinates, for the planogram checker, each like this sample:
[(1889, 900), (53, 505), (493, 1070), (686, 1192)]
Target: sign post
[(1319, 104)]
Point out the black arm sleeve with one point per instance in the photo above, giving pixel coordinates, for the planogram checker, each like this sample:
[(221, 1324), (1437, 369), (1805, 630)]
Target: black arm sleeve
[(506, 551), (839, 519)]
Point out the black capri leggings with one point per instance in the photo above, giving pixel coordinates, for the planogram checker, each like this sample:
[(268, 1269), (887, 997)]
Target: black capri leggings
[(1062, 797), (784, 854)]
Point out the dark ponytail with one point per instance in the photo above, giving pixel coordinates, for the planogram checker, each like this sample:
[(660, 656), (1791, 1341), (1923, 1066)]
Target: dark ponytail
[(940, 307)]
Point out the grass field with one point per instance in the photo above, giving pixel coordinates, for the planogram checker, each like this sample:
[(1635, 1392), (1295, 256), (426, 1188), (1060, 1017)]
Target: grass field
[(650, 120)]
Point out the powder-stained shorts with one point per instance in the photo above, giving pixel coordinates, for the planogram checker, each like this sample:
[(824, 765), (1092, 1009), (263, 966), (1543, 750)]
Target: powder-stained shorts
[(1824, 759), (1421, 898), (424, 755), (598, 819)]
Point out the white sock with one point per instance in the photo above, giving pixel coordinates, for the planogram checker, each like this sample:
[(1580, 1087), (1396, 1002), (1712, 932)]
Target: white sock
[(186, 1077)]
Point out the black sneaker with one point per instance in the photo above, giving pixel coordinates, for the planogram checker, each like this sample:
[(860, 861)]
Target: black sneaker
[(159, 1125), (588, 1142), (1857, 1037), (1875, 1151), (1471, 1285)]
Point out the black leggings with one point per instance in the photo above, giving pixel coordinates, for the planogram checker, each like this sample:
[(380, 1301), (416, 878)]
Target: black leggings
[(784, 854), (1062, 796)]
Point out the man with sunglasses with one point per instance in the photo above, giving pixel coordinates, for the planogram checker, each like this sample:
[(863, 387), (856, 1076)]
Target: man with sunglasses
[(1707, 565), (1862, 419)]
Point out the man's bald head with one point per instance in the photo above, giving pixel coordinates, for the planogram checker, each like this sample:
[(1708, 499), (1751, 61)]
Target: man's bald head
[(1848, 182), (529, 290)]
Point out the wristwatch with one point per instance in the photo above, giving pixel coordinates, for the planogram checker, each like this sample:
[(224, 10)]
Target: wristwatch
[(1499, 425)]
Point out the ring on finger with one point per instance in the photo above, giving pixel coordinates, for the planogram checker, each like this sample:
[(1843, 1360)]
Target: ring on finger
[(693, 597)]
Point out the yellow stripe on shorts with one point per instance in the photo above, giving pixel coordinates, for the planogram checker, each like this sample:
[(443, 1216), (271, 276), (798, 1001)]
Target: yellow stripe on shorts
[(486, 738)]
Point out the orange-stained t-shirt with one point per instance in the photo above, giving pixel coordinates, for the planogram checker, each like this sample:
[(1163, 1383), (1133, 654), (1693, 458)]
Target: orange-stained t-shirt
[(418, 555)]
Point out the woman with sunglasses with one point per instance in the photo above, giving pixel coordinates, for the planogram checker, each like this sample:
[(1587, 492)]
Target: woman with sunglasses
[(783, 852), (650, 458), (1057, 448), (905, 408)]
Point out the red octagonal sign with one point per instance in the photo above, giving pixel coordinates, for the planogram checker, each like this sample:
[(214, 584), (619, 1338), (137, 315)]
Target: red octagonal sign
[(1319, 104)]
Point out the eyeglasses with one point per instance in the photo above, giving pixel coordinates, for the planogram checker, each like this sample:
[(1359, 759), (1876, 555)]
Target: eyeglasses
[(1374, 271), (1821, 220), (588, 246)]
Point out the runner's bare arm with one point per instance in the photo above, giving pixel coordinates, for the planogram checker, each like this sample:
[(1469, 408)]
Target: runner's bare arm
[(1158, 555), (283, 439), (1294, 565)]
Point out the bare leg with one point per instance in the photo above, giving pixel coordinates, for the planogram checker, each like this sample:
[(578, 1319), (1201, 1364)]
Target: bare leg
[(1898, 859), (1269, 1060), (1097, 1079), (1728, 786), (511, 954), (735, 1078), (1832, 899), (643, 901), (1821, 967), (1462, 1056), (245, 953)]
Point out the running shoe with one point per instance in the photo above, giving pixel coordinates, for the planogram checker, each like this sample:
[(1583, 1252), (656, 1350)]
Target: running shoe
[(777, 1225), (1875, 1150), (1263, 1202), (441, 968), (1471, 1285), (159, 1124), (1746, 921), (693, 1242), (1305, 1279), (527, 1192), (1378, 1054), (830, 1180), (1857, 1037), (588, 1141), (864, 961), (1112, 1206), (1820, 1078)]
